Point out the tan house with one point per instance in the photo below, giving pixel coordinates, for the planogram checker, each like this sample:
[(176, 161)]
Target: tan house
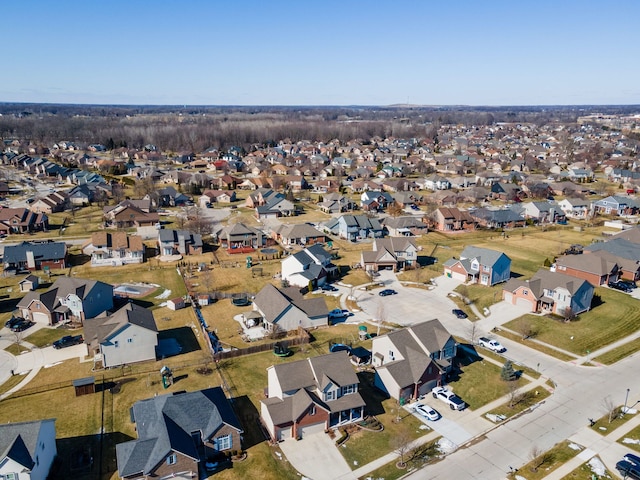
[(452, 220), (392, 253), (114, 249)]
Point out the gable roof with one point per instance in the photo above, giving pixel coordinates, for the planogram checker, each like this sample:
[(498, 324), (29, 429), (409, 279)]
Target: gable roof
[(272, 302), (485, 256), (164, 424), (99, 329), (42, 251), (19, 441), (546, 280)]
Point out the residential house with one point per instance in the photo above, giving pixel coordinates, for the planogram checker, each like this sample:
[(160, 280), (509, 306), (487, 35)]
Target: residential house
[(179, 242), (623, 250), (410, 361), (209, 197), (127, 336), (575, 207), (29, 283), (127, 215), (596, 269), (276, 206), (52, 203), (35, 255), (298, 234), (335, 203), (452, 220), (177, 433), (167, 197), (479, 265), (311, 265), (21, 220), (354, 227), (436, 182), (615, 205), (394, 253), (542, 212), (505, 191), (286, 310), (27, 449), (114, 249), (241, 238), (550, 292), (405, 226), (502, 218), (372, 201), (68, 299), (311, 396)]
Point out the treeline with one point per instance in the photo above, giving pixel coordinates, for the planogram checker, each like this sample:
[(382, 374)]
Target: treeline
[(196, 128)]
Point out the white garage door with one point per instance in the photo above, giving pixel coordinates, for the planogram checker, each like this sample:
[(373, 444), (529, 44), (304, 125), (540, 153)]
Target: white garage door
[(508, 297), (459, 276), (40, 317), (523, 302), (310, 429)]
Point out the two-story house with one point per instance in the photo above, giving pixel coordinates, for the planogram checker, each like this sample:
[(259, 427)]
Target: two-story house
[(310, 396), (177, 433), (68, 299), (542, 212), (409, 362), (574, 207), (550, 292), (127, 336), (392, 253), (615, 205), (114, 249), (405, 226), (452, 220), (313, 264), (354, 227), (239, 237), (479, 265), (27, 449), (21, 220)]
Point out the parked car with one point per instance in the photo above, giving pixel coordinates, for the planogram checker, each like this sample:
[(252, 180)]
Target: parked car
[(414, 207), (620, 286), (328, 288), (336, 313), (386, 292), (22, 326), (427, 412), (459, 313), (13, 321), (447, 396), (68, 341), (631, 458), (627, 283), (628, 469), (494, 345)]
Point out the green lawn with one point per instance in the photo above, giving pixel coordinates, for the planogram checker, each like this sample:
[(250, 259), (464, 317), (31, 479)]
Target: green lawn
[(424, 455), (616, 317), (479, 382), (546, 462), (46, 336), (584, 472), (634, 434), (623, 351)]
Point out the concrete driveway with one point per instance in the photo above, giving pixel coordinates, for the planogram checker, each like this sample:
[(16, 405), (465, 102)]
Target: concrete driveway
[(316, 457)]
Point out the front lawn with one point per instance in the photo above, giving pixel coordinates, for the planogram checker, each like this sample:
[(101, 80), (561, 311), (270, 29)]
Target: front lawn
[(616, 317), (633, 435), (46, 336), (478, 382), (584, 472), (545, 462)]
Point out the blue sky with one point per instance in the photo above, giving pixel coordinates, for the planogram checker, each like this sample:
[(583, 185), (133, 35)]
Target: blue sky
[(277, 52)]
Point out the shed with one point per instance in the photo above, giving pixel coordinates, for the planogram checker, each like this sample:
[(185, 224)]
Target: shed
[(204, 299), (29, 283), (176, 303), (84, 386)]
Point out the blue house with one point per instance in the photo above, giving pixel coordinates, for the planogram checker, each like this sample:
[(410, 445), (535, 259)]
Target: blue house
[(479, 265)]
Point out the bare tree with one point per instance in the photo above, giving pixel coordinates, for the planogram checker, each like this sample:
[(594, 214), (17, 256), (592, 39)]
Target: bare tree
[(611, 409), (402, 445), (538, 457), (525, 328), (473, 333)]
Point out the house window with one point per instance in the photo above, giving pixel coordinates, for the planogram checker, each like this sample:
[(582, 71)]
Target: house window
[(330, 395), (172, 459), (312, 410), (348, 389), (129, 340), (11, 476), (116, 344), (525, 292), (224, 443)]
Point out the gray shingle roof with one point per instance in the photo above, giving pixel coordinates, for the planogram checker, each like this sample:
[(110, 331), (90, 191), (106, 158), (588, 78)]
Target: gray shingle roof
[(164, 424), (18, 441), (42, 251)]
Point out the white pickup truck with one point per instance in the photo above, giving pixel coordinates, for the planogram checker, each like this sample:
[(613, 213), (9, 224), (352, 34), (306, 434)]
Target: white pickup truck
[(448, 397), (494, 345)]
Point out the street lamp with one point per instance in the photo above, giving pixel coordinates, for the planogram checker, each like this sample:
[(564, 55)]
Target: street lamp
[(625, 402)]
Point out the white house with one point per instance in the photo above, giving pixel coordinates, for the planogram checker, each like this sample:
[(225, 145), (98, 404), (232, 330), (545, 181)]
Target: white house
[(286, 310), (574, 207), (128, 336), (27, 449)]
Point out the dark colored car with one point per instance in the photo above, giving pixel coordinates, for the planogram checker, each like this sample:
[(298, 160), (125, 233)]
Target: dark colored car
[(631, 458), (68, 341), (328, 288), (459, 313), (387, 292), (628, 469), (630, 285), (620, 286), (21, 326), (13, 321)]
